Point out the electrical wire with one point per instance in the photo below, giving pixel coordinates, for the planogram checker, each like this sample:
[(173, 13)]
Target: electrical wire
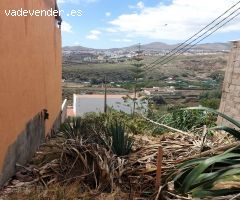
[(203, 38), (176, 48), (183, 50)]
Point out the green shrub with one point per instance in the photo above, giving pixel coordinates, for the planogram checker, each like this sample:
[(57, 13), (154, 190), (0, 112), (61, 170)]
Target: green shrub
[(213, 94), (158, 100), (211, 103), (187, 119), (183, 119)]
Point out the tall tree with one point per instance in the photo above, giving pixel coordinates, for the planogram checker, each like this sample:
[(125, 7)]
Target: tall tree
[(138, 73)]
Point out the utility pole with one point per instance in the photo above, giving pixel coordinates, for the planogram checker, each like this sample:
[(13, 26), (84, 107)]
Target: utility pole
[(105, 94)]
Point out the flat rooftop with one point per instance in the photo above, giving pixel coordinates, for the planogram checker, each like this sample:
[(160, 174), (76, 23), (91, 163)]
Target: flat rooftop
[(97, 96)]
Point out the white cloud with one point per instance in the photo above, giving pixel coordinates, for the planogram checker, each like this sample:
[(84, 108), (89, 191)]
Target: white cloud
[(94, 35), (66, 27), (122, 40), (95, 32), (140, 5), (176, 21), (76, 43), (108, 14), (111, 30)]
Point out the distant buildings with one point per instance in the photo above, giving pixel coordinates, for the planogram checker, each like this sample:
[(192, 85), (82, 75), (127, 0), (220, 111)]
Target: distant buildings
[(159, 91), (115, 55), (96, 56), (172, 93)]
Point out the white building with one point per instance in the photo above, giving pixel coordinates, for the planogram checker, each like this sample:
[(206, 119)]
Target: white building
[(95, 103)]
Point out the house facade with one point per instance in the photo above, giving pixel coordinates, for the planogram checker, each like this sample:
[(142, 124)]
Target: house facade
[(30, 81)]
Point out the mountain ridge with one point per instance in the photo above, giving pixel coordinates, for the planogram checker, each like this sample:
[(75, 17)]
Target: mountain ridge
[(156, 46)]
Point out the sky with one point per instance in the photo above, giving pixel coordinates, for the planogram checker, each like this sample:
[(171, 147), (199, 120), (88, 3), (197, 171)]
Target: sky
[(119, 23)]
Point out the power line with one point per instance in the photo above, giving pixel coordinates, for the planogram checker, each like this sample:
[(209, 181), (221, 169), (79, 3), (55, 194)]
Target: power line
[(172, 51), (175, 49), (181, 50), (200, 40), (204, 37)]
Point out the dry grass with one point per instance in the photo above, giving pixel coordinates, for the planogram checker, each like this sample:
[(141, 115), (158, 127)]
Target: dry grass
[(70, 169)]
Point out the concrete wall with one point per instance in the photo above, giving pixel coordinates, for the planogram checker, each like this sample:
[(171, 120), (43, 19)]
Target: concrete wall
[(83, 104), (30, 79), (64, 111), (230, 102)]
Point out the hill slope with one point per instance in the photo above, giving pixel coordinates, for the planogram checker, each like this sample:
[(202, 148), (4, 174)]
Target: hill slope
[(155, 46)]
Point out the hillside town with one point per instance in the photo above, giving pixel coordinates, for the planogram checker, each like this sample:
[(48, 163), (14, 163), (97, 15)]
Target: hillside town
[(81, 55)]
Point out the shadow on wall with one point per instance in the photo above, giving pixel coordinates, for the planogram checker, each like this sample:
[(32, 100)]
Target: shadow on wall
[(24, 147)]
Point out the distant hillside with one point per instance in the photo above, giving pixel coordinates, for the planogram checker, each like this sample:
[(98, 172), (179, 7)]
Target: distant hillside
[(155, 46), (76, 48), (214, 46)]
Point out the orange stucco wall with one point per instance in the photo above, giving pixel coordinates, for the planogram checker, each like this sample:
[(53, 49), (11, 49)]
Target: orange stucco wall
[(30, 69)]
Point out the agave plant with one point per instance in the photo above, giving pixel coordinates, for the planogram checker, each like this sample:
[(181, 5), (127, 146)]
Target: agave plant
[(72, 128), (211, 176), (121, 141)]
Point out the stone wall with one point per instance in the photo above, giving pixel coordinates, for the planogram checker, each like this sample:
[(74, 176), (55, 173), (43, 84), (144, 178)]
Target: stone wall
[(230, 102)]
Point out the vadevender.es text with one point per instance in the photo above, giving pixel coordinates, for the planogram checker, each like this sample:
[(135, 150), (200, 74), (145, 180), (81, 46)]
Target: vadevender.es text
[(40, 13)]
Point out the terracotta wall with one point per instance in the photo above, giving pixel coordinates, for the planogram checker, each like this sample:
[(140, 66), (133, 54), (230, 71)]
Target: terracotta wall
[(30, 69)]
